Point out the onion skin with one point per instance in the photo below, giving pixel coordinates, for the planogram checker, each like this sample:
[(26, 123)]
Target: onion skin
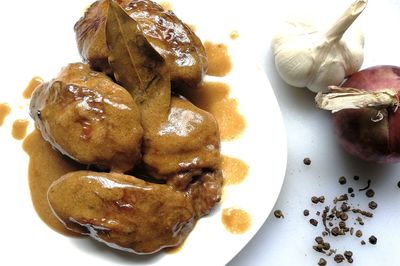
[(371, 141)]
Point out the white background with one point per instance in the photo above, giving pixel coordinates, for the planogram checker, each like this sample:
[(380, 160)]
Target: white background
[(309, 132)]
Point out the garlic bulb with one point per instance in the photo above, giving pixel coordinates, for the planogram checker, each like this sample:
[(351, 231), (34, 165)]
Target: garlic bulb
[(306, 57)]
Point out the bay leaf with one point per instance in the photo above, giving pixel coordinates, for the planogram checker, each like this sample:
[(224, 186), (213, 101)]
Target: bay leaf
[(136, 65)]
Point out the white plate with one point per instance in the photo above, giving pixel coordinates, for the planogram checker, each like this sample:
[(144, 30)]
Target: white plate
[(38, 39)]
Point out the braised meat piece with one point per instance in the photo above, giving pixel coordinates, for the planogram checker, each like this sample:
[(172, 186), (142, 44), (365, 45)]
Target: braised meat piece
[(122, 211), (88, 117), (173, 39), (184, 146)]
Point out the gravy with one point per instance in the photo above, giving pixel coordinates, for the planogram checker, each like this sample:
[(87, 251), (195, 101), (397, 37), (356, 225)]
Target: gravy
[(45, 166), (214, 98), (19, 128), (4, 112), (35, 81), (219, 62), (235, 220), (234, 170), (234, 34)]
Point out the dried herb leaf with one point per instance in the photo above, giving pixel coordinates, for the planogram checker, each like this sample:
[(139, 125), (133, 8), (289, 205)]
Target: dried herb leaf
[(137, 66)]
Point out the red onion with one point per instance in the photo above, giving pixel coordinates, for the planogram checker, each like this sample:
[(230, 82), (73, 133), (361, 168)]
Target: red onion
[(366, 117)]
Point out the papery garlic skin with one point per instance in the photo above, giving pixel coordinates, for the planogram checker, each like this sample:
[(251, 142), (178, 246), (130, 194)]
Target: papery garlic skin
[(306, 57)]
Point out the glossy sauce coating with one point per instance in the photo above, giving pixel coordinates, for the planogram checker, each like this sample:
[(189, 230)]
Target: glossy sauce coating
[(81, 110), (235, 220), (214, 98), (4, 112), (184, 145), (173, 39), (19, 128), (122, 211)]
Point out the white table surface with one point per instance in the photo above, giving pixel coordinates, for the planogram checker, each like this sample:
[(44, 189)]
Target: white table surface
[(289, 241)]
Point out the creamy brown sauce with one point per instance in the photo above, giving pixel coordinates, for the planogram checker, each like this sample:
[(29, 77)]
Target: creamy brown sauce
[(234, 35), (236, 221), (214, 98), (4, 111), (219, 61), (35, 81), (19, 128), (45, 166), (234, 170)]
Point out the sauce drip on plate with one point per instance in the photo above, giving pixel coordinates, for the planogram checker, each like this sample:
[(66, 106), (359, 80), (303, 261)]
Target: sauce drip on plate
[(214, 98), (219, 61), (234, 34), (35, 82), (45, 166), (19, 128), (4, 111), (234, 170), (235, 220)]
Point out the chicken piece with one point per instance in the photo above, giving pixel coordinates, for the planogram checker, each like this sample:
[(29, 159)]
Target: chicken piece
[(122, 211), (183, 146), (88, 117), (174, 40)]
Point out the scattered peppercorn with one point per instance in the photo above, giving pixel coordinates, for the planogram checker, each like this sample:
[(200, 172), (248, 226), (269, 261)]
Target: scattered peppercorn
[(370, 193), (365, 213), (313, 222), (319, 240), (337, 218), (360, 220), (342, 225), (279, 214), (372, 239), (343, 197), (322, 262), (398, 184), (326, 246), (314, 199), (356, 177), (307, 161), (348, 254), (339, 258), (343, 216), (322, 199), (318, 248), (335, 231), (372, 205)]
